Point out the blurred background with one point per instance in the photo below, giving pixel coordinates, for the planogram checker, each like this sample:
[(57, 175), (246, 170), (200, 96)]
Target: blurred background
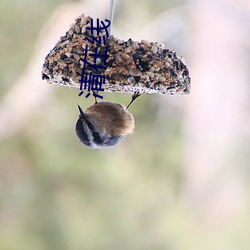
[(180, 182)]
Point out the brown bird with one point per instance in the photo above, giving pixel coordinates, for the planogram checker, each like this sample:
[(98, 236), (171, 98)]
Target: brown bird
[(104, 125)]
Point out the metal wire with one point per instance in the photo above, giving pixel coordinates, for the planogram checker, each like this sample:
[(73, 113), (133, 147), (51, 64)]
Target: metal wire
[(111, 14)]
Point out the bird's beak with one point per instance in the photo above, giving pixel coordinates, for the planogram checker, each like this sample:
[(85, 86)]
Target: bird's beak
[(82, 115)]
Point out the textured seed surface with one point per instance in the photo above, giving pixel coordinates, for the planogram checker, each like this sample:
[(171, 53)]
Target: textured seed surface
[(146, 67)]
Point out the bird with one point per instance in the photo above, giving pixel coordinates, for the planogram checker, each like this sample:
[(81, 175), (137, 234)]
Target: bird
[(104, 124)]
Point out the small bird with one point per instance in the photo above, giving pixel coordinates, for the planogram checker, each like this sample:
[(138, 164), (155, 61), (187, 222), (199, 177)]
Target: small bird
[(104, 125)]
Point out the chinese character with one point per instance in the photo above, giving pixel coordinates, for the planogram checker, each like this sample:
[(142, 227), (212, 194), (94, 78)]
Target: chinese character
[(92, 81), (95, 59), (98, 28)]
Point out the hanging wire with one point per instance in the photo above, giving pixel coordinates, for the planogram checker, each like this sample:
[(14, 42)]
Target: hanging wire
[(111, 14)]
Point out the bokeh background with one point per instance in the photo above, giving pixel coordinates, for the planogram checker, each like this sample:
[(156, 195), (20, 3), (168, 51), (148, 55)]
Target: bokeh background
[(180, 182)]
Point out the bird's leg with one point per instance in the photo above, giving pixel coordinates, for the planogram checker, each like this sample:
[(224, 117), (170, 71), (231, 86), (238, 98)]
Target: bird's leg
[(94, 94), (134, 97)]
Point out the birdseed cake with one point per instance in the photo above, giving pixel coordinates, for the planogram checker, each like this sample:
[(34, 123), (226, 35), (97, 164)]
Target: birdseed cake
[(131, 66)]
